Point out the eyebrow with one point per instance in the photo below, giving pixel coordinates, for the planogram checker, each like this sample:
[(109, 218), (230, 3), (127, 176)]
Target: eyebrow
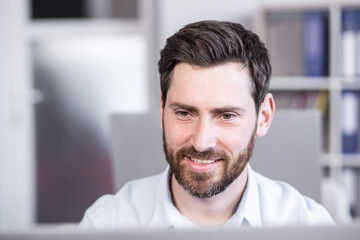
[(227, 109), (189, 108), (215, 111)]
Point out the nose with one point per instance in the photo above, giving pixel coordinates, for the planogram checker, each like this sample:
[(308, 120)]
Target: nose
[(204, 135)]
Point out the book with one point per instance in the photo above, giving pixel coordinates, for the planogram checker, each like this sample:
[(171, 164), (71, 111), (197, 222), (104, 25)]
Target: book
[(311, 100), (350, 29), (357, 67), (284, 41), (322, 101), (350, 122), (350, 185), (316, 43), (301, 100)]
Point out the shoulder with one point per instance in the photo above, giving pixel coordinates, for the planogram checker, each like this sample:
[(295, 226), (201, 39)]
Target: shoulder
[(282, 204), (131, 207)]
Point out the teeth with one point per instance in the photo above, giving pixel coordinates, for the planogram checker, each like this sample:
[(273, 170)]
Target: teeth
[(198, 161)]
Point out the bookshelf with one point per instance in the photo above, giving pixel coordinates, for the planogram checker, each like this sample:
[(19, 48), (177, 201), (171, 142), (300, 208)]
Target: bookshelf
[(289, 81)]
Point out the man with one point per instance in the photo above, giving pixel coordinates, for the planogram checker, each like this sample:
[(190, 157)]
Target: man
[(214, 102)]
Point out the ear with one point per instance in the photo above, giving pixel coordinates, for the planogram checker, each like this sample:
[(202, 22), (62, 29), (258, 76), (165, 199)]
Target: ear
[(265, 116)]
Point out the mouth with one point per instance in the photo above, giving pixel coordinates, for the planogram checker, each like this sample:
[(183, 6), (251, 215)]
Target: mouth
[(203, 165), (203, 161)]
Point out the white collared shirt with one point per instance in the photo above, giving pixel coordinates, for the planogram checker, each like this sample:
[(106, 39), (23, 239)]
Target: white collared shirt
[(146, 203)]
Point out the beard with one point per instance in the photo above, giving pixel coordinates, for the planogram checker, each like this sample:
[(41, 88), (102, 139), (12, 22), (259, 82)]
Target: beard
[(206, 185)]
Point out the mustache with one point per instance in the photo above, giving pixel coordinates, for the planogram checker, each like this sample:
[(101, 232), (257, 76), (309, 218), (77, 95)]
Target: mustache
[(208, 154)]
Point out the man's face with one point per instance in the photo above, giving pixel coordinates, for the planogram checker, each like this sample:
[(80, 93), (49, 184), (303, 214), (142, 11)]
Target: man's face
[(209, 126)]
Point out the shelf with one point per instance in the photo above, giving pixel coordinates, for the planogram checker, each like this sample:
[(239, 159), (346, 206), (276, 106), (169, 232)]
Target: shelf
[(49, 28), (291, 89), (345, 160), (351, 160), (42, 28), (299, 83), (351, 84)]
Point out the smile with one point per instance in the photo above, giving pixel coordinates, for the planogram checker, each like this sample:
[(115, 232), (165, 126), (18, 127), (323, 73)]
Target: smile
[(201, 161)]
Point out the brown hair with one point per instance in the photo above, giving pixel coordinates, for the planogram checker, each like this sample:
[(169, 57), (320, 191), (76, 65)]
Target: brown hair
[(210, 43)]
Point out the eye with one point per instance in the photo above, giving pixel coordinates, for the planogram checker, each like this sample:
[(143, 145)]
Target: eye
[(228, 116), (182, 114)]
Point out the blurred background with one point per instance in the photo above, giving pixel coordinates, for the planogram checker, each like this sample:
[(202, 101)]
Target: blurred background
[(67, 66)]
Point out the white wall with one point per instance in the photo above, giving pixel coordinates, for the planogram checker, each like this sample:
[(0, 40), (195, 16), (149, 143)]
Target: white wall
[(17, 195)]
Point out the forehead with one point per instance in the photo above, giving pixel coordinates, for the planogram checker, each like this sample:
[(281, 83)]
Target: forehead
[(225, 84)]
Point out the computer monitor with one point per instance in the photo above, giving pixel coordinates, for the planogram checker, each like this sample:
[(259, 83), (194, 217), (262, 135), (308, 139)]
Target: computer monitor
[(350, 232)]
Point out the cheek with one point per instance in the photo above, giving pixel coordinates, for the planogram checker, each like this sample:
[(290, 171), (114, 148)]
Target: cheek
[(236, 140), (176, 135)]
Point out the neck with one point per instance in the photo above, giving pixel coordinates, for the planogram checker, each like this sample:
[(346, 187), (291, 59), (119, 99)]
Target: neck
[(214, 211)]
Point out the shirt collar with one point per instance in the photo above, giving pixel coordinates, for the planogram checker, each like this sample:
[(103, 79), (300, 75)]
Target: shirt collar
[(248, 211), (166, 215)]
